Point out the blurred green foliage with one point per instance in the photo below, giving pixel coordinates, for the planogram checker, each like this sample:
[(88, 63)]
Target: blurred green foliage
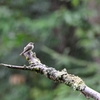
[(64, 37)]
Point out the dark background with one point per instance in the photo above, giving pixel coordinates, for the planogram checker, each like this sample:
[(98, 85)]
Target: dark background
[(66, 34)]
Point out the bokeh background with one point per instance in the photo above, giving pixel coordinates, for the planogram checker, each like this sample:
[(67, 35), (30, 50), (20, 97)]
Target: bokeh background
[(66, 34)]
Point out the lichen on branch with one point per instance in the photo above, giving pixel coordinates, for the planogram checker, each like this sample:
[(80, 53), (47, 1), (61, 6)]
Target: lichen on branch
[(59, 76)]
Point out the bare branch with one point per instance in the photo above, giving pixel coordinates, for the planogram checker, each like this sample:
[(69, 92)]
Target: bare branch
[(15, 66)]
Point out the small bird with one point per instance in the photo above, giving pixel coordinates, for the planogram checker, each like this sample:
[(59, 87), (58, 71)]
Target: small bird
[(29, 47)]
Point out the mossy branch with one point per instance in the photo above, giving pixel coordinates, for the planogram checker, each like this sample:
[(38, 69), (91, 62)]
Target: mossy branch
[(59, 76)]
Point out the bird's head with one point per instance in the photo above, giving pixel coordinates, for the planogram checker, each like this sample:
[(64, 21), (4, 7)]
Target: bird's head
[(31, 43)]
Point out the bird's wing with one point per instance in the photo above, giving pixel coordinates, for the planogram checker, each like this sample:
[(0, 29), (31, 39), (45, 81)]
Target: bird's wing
[(27, 48)]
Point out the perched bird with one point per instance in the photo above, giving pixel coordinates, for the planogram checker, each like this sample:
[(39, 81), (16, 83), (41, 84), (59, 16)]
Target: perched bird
[(29, 47)]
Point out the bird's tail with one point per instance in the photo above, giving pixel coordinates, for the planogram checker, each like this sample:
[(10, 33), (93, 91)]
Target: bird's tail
[(22, 54)]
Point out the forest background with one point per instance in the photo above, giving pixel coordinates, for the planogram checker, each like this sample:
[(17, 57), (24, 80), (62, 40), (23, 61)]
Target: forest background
[(66, 34)]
